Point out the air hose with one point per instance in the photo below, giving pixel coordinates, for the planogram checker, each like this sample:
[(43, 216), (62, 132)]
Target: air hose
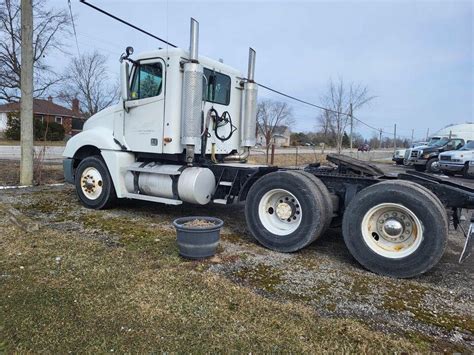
[(222, 121)]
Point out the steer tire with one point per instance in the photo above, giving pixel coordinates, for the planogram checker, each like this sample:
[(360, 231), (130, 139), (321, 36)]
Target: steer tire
[(430, 168), (107, 195), (262, 208), (360, 238), (465, 171)]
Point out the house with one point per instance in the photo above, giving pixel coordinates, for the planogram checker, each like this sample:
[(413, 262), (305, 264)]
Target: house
[(47, 111), (280, 136)]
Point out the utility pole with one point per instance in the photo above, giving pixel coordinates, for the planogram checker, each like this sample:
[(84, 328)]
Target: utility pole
[(450, 134), (352, 126), (427, 134), (380, 139), (394, 137), (26, 103), (412, 133)]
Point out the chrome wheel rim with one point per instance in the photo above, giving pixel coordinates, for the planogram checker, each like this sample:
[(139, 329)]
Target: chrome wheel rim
[(280, 212), (392, 230), (91, 183)]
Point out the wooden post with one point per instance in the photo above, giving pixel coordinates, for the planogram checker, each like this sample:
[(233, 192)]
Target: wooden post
[(26, 103), (272, 156), (394, 137), (352, 127)]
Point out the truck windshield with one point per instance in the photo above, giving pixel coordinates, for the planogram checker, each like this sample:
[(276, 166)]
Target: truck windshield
[(440, 142)]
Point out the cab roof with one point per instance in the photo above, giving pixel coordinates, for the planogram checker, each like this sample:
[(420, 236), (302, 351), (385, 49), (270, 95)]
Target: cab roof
[(179, 52)]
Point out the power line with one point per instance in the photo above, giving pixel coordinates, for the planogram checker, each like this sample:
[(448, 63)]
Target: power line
[(73, 27), (127, 23)]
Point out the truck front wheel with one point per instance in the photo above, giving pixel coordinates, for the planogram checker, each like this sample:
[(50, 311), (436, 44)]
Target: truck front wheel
[(432, 166), (94, 186), (396, 228), (286, 211)]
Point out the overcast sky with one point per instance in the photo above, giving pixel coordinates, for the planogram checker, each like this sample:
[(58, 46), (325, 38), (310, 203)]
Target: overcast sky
[(415, 56)]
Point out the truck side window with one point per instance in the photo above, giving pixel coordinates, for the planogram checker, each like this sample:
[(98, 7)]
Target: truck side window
[(216, 87), (147, 81)]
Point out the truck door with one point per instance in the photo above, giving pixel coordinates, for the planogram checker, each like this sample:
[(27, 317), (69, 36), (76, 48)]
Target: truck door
[(143, 123)]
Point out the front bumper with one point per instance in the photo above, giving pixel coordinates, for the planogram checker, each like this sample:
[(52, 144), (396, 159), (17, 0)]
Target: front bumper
[(419, 161), (68, 168), (451, 166)]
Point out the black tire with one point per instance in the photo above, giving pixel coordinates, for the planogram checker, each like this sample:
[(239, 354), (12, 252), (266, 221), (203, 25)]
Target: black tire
[(431, 168), (465, 171), (328, 205), (107, 196), (399, 162), (313, 215), (420, 168), (422, 203)]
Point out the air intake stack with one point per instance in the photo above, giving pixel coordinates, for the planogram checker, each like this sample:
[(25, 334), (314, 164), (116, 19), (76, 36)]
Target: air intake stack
[(192, 97), (249, 108)]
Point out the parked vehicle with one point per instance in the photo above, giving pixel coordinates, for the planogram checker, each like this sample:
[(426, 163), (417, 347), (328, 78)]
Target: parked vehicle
[(399, 156), (426, 157), (406, 157), (457, 161), (364, 148), (182, 133)]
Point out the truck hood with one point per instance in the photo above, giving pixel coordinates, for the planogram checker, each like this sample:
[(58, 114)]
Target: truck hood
[(458, 154), (104, 118), (428, 149)]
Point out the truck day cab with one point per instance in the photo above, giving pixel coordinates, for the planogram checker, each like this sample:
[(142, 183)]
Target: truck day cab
[(182, 132)]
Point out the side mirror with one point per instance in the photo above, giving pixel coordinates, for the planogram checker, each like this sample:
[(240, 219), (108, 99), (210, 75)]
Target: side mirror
[(125, 81)]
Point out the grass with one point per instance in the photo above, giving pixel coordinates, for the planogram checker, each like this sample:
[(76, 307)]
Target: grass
[(71, 292)]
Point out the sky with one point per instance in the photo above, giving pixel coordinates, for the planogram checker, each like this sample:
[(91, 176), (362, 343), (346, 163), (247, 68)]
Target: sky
[(416, 57)]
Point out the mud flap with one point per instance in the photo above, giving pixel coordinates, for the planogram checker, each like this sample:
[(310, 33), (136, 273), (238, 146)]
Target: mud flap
[(468, 244)]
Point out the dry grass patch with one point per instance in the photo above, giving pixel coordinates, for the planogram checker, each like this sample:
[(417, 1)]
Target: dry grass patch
[(62, 292)]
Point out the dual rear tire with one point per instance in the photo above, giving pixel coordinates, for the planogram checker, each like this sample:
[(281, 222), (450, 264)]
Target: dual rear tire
[(288, 210), (393, 228)]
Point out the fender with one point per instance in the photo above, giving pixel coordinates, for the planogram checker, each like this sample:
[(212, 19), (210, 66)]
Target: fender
[(99, 137)]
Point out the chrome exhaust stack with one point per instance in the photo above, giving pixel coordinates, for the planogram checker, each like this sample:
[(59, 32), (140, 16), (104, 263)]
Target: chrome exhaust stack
[(249, 105), (248, 119), (192, 96)]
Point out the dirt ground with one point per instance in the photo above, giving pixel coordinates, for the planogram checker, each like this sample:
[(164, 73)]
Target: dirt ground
[(46, 173), (113, 281)]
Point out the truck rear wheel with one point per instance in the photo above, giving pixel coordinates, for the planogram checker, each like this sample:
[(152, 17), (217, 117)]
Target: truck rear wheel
[(328, 204), (94, 186), (396, 228), (285, 211)]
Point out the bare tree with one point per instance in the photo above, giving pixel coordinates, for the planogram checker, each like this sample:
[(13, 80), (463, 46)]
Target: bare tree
[(271, 114), (87, 78), (49, 26), (338, 98)]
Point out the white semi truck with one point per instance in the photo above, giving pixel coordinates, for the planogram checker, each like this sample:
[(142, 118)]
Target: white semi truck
[(182, 133)]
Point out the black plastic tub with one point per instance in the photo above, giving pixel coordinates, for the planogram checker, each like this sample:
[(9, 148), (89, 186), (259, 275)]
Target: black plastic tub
[(197, 242)]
